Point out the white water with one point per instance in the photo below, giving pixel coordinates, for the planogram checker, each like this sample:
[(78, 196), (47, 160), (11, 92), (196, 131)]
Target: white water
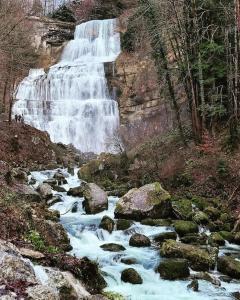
[(72, 102), (86, 239)]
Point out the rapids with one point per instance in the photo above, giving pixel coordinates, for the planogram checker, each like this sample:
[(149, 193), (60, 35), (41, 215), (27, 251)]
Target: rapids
[(72, 101), (86, 238)]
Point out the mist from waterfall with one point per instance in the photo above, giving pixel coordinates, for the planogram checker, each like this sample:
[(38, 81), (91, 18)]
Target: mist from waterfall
[(72, 101)]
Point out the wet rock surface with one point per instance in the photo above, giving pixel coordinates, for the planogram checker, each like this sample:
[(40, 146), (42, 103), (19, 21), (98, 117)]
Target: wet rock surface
[(130, 275)]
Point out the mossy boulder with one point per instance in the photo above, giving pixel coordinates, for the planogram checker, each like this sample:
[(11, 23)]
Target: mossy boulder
[(157, 222), (212, 212), (107, 224), (149, 201), (229, 266), (123, 224), (216, 239), (131, 275), (227, 235), (194, 239), (139, 240), (201, 218), (199, 259), (200, 202), (182, 209), (87, 171), (185, 227), (95, 199), (168, 235), (111, 247), (173, 269)]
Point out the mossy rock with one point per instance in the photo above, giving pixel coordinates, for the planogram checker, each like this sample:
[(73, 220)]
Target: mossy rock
[(107, 224), (89, 170), (157, 222), (173, 269), (200, 202), (131, 276), (227, 235), (111, 247), (216, 239), (201, 218), (212, 212), (182, 208), (123, 224), (113, 296), (185, 227), (194, 239), (149, 201), (169, 235), (225, 217), (229, 266), (199, 259)]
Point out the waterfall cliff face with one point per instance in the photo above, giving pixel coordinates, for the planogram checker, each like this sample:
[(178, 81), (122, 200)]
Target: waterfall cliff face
[(72, 102)]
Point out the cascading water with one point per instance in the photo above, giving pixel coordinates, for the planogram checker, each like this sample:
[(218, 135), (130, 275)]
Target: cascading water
[(72, 102)]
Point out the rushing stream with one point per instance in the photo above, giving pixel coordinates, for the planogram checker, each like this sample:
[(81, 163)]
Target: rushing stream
[(86, 238), (72, 101)]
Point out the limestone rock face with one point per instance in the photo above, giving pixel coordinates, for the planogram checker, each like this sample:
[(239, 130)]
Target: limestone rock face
[(149, 201), (95, 199)]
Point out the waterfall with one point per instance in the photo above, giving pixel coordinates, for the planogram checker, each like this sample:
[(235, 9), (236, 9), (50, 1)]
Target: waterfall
[(72, 101)]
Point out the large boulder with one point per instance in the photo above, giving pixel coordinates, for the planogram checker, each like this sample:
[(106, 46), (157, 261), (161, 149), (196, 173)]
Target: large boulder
[(216, 239), (130, 275), (95, 199), (107, 224), (42, 292), (182, 208), (229, 266), (199, 259), (149, 201), (27, 193), (139, 240), (45, 190), (173, 269), (185, 227)]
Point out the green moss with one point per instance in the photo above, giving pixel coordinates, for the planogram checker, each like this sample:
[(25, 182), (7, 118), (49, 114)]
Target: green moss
[(185, 227), (159, 195), (216, 239), (212, 212), (200, 202), (113, 296), (227, 235), (173, 269), (201, 218), (182, 208), (157, 222)]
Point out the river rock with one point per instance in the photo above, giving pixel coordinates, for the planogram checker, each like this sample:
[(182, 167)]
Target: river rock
[(112, 247), (60, 178), (131, 275), (229, 266), (227, 235), (123, 224), (216, 239), (149, 201), (107, 224), (207, 277), (51, 181), (76, 191), (199, 259), (201, 218), (95, 199), (173, 269), (59, 189), (19, 174), (27, 193), (129, 261), (55, 199), (212, 212), (45, 191), (194, 285), (13, 267), (168, 235), (182, 208), (185, 227), (29, 253), (139, 240), (157, 222), (74, 208), (194, 239)]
